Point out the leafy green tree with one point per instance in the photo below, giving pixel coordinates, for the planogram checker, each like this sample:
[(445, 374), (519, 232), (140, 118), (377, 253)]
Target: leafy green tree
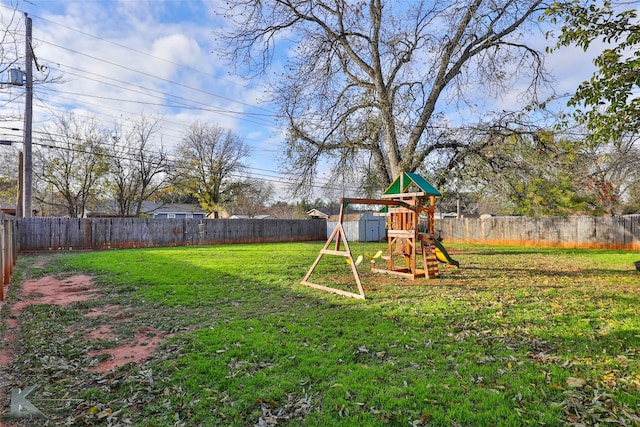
[(8, 175), (175, 192), (8, 191), (607, 103), (527, 172), (209, 159), (633, 204)]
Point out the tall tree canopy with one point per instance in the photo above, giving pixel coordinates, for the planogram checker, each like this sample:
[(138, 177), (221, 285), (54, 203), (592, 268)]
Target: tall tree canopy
[(528, 172), (375, 77), (208, 158), (608, 103)]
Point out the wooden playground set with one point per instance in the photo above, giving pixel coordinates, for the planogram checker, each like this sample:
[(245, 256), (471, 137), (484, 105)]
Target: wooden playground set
[(411, 252)]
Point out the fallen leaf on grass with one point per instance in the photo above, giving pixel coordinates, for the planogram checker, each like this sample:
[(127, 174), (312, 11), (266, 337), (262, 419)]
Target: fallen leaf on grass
[(422, 421), (103, 414), (576, 382)]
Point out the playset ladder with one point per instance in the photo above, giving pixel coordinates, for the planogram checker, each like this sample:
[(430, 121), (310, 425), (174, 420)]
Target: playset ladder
[(429, 259)]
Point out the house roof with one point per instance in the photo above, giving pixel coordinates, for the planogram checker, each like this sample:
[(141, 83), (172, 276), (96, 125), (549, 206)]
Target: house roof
[(351, 217), (317, 213), (8, 209), (406, 179), (111, 208), (157, 208)]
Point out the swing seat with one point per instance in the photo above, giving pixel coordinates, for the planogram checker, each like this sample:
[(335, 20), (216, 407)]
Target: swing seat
[(389, 260)]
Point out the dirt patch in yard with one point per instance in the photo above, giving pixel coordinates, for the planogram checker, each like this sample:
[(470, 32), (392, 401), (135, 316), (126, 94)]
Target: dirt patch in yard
[(136, 347), (136, 350), (49, 290), (63, 292)]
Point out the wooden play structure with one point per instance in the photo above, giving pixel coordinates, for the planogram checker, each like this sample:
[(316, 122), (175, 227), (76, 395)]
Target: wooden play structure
[(411, 252)]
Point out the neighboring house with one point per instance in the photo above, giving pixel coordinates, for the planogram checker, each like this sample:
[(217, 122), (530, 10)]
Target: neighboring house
[(7, 209), (316, 214), (236, 216), (177, 210), (153, 209), (360, 227)]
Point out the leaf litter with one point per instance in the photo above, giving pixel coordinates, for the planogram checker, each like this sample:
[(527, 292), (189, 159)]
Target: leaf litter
[(77, 344)]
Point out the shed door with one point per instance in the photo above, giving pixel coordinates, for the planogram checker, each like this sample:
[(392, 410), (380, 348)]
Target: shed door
[(372, 230)]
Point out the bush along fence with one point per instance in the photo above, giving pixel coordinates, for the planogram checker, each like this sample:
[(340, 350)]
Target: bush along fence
[(45, 234), (616, 232), (8, 249)]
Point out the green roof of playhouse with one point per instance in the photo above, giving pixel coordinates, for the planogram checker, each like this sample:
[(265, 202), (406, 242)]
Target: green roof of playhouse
[(407, 179)]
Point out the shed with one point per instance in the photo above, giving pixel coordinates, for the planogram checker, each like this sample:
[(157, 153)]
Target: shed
[(360, 227)]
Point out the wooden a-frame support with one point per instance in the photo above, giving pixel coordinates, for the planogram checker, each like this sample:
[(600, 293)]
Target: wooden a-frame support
[(338, 234)]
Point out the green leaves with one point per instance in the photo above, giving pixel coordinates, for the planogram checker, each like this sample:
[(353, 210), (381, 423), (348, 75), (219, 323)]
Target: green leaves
[(608, 103)]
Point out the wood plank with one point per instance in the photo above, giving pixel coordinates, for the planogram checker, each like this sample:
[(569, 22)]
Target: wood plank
[(334, 252), (333, 290), (401, 233), (404, 195)]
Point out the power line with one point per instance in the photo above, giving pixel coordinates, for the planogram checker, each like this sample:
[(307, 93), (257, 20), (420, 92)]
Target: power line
[(154, 76), (140, 52), (271, 176), (177, 136), (250, 117), (185, 104)]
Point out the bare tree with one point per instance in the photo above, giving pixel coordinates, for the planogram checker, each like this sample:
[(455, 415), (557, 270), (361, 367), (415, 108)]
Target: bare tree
[(252, 197), (71, 164), (613, 174), (123, 182), (208, 158), (376, 76), (139, 168)]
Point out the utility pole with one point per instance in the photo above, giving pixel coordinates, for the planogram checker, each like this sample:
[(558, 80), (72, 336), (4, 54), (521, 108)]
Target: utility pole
[(20, 185), (28, 123)]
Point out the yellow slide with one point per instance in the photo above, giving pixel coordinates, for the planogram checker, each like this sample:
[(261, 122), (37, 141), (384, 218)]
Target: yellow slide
[(443, 255)]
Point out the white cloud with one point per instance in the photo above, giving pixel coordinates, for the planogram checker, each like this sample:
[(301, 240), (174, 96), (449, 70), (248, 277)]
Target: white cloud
[(177, 48)]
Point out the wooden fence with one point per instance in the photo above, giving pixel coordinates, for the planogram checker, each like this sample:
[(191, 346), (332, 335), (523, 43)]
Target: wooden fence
[(8, 249), (617, 232), (44, 234)]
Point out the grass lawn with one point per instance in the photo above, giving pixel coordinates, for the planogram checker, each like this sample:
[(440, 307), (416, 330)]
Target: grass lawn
[(516, 336)]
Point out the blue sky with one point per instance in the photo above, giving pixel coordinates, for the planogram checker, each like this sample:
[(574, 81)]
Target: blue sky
[(119, 59)]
